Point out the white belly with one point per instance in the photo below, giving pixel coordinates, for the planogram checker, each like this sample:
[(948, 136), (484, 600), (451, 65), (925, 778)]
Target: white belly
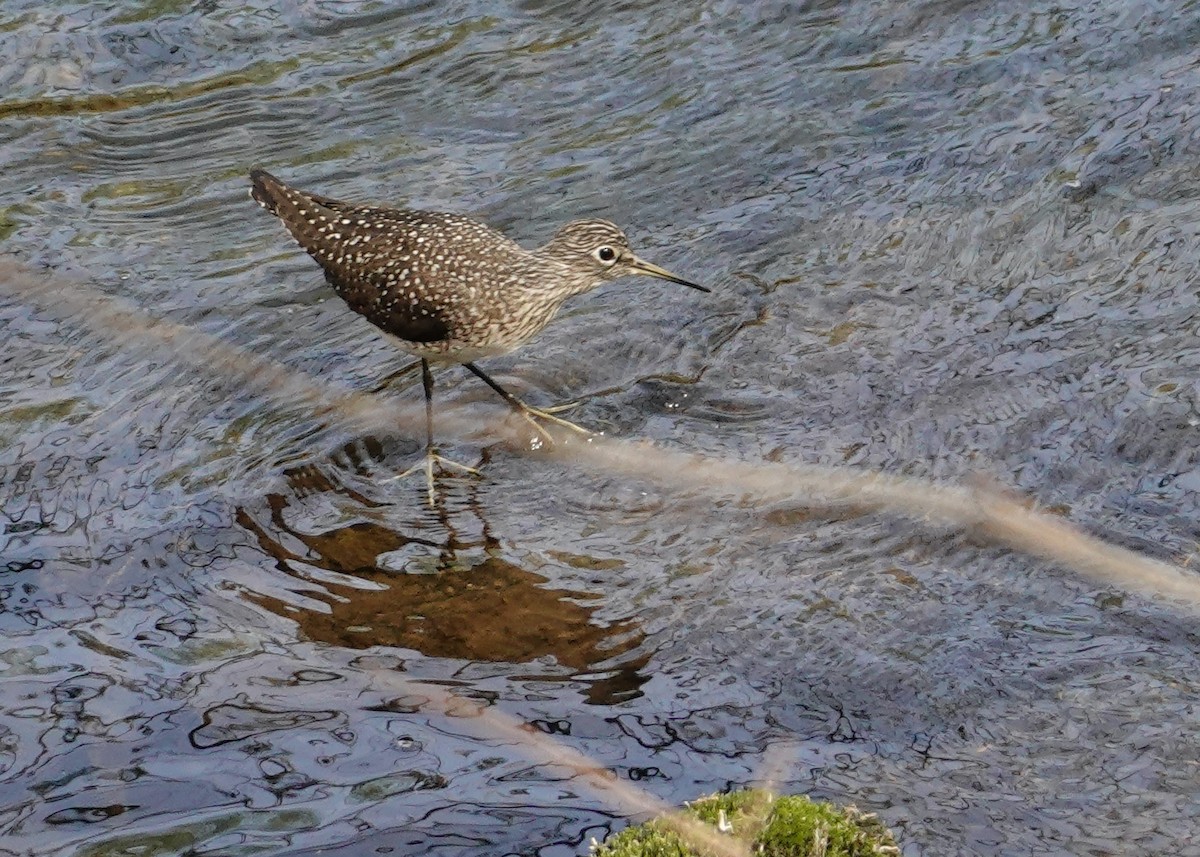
[(448, 352)]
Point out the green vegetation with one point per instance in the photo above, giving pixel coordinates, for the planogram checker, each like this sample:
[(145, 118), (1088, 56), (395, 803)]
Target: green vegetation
[(764, 824)]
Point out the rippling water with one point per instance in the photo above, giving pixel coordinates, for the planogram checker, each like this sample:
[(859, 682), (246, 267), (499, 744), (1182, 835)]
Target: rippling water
[(945, 238)]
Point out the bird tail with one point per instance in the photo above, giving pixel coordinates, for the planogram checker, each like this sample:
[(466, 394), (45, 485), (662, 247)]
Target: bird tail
[(266, 190), (285, 201), (304, 214)]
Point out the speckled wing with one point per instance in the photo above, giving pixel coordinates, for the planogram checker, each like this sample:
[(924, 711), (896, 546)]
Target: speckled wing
[(371, 256)]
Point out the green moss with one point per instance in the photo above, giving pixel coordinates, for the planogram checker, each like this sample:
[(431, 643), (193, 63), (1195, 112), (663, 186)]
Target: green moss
[(8, 223), (101, 102), (789, 826)]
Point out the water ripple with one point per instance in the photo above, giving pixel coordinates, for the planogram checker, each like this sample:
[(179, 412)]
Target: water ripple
[(945, 238)]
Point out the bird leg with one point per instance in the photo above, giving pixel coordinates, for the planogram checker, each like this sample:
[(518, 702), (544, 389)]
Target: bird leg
[(431, 455), (529, 412)]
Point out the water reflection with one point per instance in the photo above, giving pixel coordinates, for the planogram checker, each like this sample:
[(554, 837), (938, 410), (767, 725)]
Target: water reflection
[(444, 588)]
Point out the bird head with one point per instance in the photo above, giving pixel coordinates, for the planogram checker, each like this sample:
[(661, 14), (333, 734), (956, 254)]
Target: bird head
[(597, 251)]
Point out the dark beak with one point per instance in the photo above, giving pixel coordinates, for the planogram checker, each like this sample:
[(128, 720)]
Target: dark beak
[(641, 266)]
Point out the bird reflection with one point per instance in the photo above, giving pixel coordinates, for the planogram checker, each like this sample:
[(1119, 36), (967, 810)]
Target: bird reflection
[(466, 601)]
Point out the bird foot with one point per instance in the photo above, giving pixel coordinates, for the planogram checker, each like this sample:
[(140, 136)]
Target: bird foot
[(432, 461), (560, 409), (533, 414)]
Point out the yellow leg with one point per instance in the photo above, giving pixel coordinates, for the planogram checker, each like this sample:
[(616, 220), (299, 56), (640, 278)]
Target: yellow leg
[(431, 455), (530, 413)]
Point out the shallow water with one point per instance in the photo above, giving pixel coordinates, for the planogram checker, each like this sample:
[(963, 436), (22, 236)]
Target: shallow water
[(944, 239)]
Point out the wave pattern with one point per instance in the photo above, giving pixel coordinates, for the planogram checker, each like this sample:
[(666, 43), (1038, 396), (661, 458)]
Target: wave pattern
[(945, 239)]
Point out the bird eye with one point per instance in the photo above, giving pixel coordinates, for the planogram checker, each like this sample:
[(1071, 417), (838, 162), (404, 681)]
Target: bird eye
[(606, 254)]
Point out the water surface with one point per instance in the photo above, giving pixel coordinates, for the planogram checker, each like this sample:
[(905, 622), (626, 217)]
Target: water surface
[(944, 238)]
